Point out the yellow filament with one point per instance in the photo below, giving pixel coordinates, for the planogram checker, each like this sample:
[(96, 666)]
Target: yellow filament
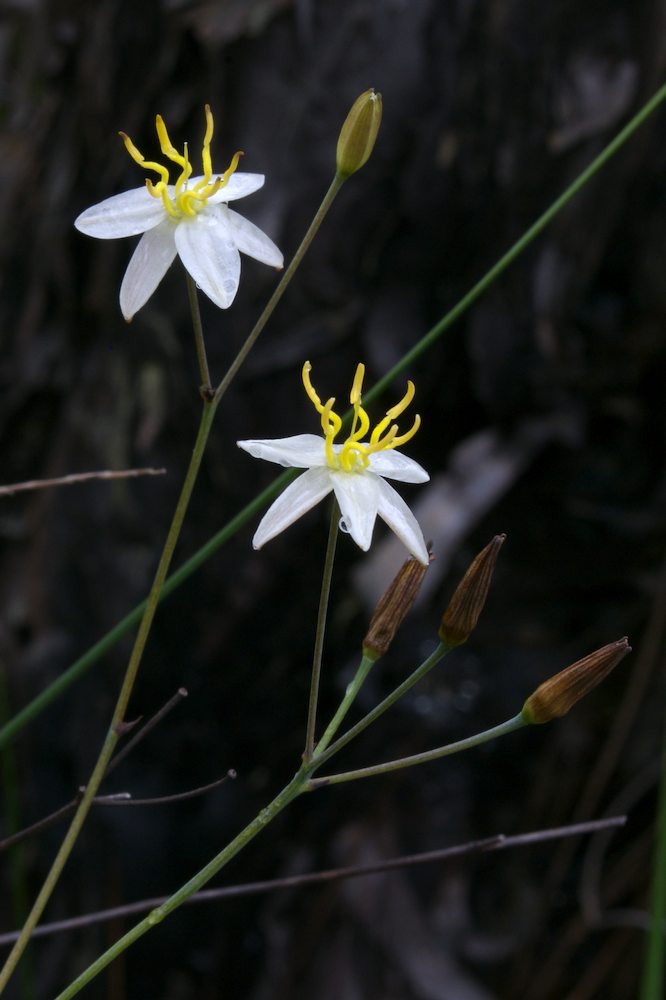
[(354, 455), (183, 201), (355, 394), (205, 152)]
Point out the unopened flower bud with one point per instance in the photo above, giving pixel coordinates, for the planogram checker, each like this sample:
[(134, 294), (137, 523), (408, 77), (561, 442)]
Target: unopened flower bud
[(560, 693), (358, 134), (393, 606), (460, 618)]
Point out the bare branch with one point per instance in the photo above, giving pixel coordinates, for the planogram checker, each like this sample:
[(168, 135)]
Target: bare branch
[(496, 843), (76, 477), (127, 800), (48, 821)]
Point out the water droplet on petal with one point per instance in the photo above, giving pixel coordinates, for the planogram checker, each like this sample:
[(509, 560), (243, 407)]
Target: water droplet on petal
[(342, 525)]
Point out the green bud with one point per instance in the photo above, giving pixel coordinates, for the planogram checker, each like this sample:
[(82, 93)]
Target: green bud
[(359, 133)]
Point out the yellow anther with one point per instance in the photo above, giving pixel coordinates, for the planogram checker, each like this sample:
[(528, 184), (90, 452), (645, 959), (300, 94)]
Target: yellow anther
[(139, 158), (160, 190), (166, 145), (354, 454), (309, 388), (205, 152), (400, 407), (397, 441), (363, 420), (330, 421), (180, 201), (355, 394), (330, 424), (184, 175)]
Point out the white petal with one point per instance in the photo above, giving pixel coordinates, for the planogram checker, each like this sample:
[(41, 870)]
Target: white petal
[(398, 516), (298, 498), (251, 240), (303, 451), (239, 185), (209, 254), (148, 265), (358, 496), (126, 214), (395, 465)]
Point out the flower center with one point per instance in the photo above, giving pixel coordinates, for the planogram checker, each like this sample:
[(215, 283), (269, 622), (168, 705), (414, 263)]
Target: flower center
[(182, 202), (354, 454)]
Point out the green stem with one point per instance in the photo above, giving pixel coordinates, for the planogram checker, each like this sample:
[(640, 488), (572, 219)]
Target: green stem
[(382, 707), (509, 726), (80, 666), (38, 704), (114, 635), (12, 812), (652, 983), (353, 689), (320, 214), (287, 795), (115, 728), (199, 341), (535, 229), (299, 783), (329, 559)]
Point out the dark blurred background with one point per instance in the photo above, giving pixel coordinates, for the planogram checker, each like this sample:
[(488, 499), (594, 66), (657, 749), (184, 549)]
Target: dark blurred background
[(543, 416)]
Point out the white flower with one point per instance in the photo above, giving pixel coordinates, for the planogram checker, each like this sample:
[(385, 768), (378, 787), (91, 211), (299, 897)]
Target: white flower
[(189, 218), (354, 471)]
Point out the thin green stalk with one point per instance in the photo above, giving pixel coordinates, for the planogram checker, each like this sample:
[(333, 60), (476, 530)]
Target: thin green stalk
[(654, 966), (324, 595), (521, 244), (114, 635), (384, 705), (300, 782), (80, 666), (320, 214), (353, 689), (287, 795), (197, 327), (510, 726), (12, 812), (38, 704), (115, 728)]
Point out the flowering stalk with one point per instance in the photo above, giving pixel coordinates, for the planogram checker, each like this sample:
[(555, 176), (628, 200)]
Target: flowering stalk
[(211, 401), (353, 688), (390, 700), (115, 729), (510, 726), (321, 628), (319, 217), (80, 666), (199, 342)]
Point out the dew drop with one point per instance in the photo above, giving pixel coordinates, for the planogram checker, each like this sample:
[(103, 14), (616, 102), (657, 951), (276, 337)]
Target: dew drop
[(342, 524)]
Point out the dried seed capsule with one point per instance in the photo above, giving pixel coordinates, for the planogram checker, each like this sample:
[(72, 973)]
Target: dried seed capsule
[(560, 693), (392, 608), (460, 618)]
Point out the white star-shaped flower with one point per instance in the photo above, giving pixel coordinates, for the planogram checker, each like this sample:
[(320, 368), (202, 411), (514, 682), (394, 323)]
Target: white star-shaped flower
[(354, 471), (189, 218)]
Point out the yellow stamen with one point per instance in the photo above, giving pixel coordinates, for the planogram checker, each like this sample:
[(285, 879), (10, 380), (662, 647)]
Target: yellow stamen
[(354, 455), (166, 145), (355, 394), (182, 202), (205, 152)]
